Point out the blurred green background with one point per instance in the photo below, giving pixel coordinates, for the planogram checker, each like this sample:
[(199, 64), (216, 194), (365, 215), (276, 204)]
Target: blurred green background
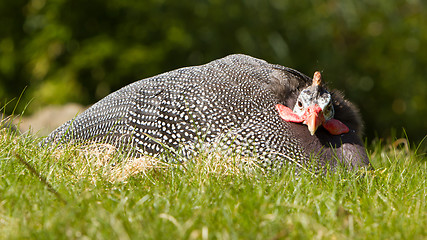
[(80, 51)]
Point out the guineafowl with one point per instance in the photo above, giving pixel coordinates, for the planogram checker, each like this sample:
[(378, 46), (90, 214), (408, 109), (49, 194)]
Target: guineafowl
[(274, 113)]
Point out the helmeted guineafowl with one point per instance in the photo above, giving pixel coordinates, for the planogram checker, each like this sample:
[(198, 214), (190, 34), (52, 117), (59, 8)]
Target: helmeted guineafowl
[(239, 101)]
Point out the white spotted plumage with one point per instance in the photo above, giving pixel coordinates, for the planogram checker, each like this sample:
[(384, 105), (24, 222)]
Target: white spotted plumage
[(224, 101)]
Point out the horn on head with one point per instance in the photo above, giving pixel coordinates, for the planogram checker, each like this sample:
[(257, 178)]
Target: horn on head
[(317, 78)]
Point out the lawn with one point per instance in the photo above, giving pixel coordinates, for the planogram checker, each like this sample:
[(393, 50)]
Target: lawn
[(92, 193)]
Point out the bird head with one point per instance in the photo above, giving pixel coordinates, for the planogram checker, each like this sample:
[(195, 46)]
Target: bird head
[(314, 107)]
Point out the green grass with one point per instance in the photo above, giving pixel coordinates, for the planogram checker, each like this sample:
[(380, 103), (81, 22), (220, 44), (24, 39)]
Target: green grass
[(86, 197)]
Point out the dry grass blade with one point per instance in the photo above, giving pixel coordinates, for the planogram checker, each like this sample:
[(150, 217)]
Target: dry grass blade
[(220, 163), (102, 160)]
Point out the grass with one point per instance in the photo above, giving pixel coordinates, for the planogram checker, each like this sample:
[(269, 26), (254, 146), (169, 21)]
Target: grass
[(90, 193)]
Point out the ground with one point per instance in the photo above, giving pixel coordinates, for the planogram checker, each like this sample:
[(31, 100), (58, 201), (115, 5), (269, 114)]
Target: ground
[(92, 193)]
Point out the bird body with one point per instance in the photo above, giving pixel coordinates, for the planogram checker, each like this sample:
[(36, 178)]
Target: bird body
[(231, 101)]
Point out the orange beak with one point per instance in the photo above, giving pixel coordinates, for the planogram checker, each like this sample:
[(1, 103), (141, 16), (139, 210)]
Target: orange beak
[(314, 118)]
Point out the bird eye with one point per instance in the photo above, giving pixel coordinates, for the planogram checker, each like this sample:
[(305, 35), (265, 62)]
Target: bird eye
[(299, 104), (329, 111)]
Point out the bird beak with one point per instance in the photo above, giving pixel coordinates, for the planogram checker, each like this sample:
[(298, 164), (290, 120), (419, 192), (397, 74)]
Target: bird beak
[(314, 118)]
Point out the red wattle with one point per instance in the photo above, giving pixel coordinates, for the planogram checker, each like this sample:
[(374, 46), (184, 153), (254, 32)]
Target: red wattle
[(287, 114), (335, 127)]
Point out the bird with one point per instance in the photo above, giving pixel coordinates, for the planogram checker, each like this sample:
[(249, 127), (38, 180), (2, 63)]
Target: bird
[(271, 112)]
